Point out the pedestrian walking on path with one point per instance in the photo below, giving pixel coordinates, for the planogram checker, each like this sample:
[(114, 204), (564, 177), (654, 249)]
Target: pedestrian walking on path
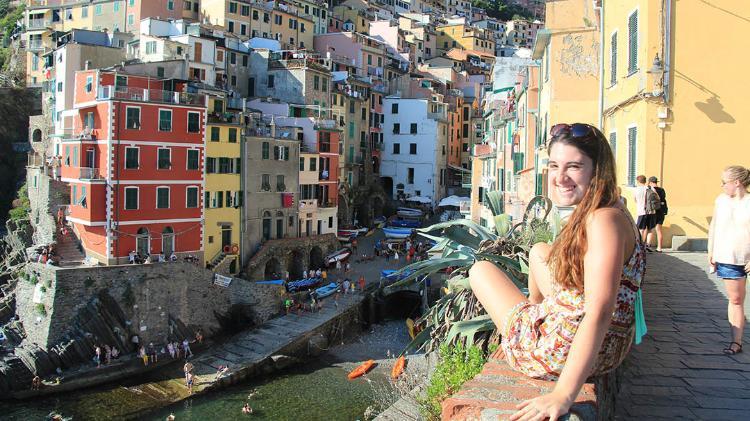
[(729, 247), (595, 265), (644, 209), (661, 212)]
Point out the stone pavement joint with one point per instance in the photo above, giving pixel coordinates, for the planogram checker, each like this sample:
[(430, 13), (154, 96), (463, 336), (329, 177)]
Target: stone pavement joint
[(679, 371)]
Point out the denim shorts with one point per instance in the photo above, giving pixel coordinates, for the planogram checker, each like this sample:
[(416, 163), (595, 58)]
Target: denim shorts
[(727, 271)]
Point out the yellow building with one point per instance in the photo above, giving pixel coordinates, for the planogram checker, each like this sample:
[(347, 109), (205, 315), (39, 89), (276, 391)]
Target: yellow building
[(464, 37), (284, 23), (681, 117), (223, 189), (355, 20)]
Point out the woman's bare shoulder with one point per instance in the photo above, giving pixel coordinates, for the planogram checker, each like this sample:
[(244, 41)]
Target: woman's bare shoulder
[(608, 218)]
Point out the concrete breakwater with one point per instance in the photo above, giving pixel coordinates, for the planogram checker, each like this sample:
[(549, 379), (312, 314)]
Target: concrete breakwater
[(274, 345)]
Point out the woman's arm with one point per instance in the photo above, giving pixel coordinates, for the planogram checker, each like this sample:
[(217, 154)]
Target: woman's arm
[(606, 232), (711, 231)]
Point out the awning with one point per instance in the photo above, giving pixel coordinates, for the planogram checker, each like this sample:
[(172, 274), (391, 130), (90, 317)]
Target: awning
[(419, 199), (459, 169), (453, 201)]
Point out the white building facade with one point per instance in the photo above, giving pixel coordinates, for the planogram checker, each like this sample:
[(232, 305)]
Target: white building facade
[(413, 160)]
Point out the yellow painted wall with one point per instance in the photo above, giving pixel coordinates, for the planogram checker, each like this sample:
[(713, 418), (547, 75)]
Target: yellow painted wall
[(221, 182), (707, 126)]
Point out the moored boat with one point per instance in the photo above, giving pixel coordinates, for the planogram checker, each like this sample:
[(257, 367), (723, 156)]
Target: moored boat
[(326, 290), (393, 232), (409, 212), (337, 256), (405, 223), (303, 284)]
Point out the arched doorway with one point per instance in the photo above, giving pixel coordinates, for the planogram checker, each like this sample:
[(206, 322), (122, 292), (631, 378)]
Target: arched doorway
[(316, 257), (266, 226), (279, 224), (296, 263), (273, 269), (142, 242), (36, 136), (167, 241)]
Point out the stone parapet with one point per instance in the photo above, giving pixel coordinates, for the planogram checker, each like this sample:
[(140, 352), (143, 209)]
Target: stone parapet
[(494, 393)]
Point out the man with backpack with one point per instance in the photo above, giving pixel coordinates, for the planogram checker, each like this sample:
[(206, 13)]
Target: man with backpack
[(645, 206), (661, 211)]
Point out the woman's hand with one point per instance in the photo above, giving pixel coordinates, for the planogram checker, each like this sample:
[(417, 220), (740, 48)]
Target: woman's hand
[(747, 267), (551, 405)]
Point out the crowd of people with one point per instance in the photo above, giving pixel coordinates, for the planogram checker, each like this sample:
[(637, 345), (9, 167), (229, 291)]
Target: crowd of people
[(136, 258), (176, 349)]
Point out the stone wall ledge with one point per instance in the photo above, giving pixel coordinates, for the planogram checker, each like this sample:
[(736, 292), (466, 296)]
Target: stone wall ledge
[(494, 393)]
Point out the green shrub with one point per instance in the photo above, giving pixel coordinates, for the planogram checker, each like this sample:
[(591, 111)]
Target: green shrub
[(22, 207), (43, 288), (457, 365), (33, 280), (41, 310)]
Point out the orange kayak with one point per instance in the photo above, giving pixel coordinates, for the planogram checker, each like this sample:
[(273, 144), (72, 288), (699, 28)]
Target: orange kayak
[(398, 368), (362, 369)]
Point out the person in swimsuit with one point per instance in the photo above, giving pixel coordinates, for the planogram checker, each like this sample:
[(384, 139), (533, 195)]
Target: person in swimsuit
[(579, 318)]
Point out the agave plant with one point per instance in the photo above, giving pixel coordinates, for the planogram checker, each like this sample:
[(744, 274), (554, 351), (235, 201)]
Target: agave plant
[(458, 316)]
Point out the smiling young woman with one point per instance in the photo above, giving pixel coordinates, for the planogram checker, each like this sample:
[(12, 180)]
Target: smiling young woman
[(579, 318)]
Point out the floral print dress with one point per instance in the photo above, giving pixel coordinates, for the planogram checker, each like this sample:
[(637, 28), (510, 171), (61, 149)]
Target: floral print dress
[(538, 337)]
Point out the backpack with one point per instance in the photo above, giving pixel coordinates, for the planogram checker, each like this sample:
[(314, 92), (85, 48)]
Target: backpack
[(653, 201)]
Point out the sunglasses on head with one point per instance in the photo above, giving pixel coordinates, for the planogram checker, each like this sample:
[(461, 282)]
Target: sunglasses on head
[(575, 130)]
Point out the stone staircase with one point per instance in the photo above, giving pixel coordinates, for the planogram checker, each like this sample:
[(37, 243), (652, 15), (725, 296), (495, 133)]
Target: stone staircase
[(69, 249)]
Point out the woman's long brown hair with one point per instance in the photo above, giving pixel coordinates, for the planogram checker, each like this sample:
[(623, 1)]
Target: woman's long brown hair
[(566, 256)]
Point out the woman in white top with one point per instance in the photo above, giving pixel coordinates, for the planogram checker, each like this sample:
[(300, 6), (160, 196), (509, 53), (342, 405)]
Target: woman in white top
[(729, 246)]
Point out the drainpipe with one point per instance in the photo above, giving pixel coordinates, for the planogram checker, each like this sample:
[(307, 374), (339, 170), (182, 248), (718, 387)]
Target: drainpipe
[(601, 64), (667, 54)]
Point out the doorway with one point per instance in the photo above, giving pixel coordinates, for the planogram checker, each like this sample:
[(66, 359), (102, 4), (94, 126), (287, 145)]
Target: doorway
[(90, 158), (226, 236), (167, 241), (142, 242)]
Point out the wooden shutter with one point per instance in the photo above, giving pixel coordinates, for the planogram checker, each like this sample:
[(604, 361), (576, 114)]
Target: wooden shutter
[(632, 137), (633, 42), (613, 61)]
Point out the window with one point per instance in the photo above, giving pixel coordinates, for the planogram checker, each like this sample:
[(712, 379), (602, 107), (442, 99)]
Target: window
[(170, 4), (131, 158), (396, 128), (394, 108), (265, 182), (215, 131), (351, 107), (228, 196), (210, 165), (97, 10), (412, 149), (164, 159), (150, 47), (302, 26), (133, 118), (277, 19), (193, 122), (255, 14), (613, 61), (413, 128), (325, 85), (230, 27), (265, 151), (225, 165), (244, 60), (232, 7), (280, 186), (193, 159), (270, 81), (632, 154), (313, 164), (89, 83), (243, 30), (191, 197), (410, 176), (131, 198), (316, 82), (396, 148), (131, 3), (633, 42), (88, 121), (265, 19), (165, 120), (302, 164), (162, 198), (159, 71), (84, 11), (245, 11), (232, 135), (131, 19)]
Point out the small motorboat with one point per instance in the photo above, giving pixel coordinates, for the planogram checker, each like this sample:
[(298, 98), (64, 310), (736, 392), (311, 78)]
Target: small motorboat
[(348, 232), (303, 284), (398, 368), (393, 232), (405, 223), (409, 213), (389, 275), (362, 369), (338, 256), (326, 290), (379, 220)]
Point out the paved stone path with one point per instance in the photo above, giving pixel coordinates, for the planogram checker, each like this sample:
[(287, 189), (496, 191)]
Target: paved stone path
[(679, 371)]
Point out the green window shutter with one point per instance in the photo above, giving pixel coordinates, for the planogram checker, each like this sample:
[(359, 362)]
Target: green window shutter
[(539, 187), (613, 61), (351, 130), (633, 42), (265, 150), (632, 137), (518, 163), (613, 143)]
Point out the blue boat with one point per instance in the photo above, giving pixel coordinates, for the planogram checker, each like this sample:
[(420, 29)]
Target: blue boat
[(326, 290), (389, 275), (271, 282), (303, 284), (405, 223), (397, 232)]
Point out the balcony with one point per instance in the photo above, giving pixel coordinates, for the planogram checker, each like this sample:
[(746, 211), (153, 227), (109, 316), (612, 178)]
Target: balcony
[(150, 95), (440, 115), (35, 45), (325, 124), (228, 117), (35, 160), (374, 71), (466, 180), (38, 24), (85, 173)]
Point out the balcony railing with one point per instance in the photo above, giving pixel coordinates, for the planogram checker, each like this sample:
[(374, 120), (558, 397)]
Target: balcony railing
[(225, 117), (35, 44), (38, 23), (150, 95), (325, 124), (440, 115), (85, 173)]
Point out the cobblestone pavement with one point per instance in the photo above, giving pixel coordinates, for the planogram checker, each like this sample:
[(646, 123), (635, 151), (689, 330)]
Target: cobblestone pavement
[(679, 371)]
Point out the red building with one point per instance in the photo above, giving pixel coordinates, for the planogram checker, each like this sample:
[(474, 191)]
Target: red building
[(134, 162)]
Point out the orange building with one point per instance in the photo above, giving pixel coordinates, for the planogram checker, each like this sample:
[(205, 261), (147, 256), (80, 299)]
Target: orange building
[(134, 163)]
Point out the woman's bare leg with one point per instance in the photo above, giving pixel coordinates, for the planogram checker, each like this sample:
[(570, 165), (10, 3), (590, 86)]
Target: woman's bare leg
[(495, 291), (540, 283), (736, 313)]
